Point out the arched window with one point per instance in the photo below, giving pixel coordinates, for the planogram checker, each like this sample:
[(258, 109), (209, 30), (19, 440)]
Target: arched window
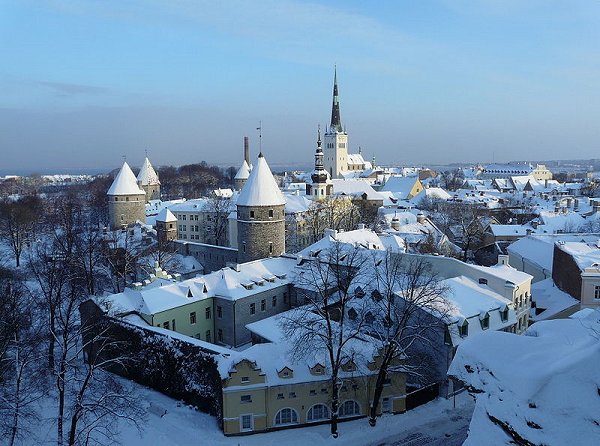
[(317, 412), (286, 416), (349, 408)]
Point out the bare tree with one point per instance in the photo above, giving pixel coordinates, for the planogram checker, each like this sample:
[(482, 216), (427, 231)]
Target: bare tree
[(461, 222), (20, 383), (17, 223), (321, 325), (408, 304), (218, 209), (121, 252), (338, 213)]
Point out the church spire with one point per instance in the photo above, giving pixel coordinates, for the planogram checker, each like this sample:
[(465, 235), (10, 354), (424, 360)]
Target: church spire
[(336, 121)]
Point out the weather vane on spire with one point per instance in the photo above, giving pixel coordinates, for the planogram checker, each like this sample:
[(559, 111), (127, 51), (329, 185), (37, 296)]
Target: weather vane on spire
[(259, 128)]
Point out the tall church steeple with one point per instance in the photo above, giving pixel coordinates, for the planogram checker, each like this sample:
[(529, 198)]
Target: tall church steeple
[(336, 138), (321, 185), (336, 121)]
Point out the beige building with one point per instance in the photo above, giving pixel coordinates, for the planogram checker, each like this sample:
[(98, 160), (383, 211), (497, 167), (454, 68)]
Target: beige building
[(265, 388)]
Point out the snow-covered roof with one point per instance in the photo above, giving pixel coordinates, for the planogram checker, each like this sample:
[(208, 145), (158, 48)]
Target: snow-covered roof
[(354, 187), (261, 188), (243, 172), (125, 183), (295, 204), (165, 216), (147, 175), (542, 385), (549, 298), (401, 186), (227, 283), (355, 159), (584, 254), (537, 250)]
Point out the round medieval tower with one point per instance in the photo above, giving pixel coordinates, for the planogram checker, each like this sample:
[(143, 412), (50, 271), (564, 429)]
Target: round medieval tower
[(126, 201), (260, 215)]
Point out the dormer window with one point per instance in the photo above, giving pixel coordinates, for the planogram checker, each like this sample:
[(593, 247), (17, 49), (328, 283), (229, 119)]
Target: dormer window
[(485, 322), (352, 314), (483, 281), (463, 330), (376, 295), (504, 314), (359, 292)]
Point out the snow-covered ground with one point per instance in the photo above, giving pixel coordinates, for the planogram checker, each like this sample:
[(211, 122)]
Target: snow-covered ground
[(182, 425)]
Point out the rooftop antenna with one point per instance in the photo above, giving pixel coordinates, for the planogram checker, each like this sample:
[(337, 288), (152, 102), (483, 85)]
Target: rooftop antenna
[(259, 128)]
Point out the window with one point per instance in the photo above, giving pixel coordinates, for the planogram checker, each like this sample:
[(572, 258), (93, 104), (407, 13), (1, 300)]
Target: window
[(387, 382), (252, 308), (246, 399), (324, 390), (208, 338), (244, 246), (245, 379), (483, 281), (280, 396), (463, 329), (251, 214), (173, 323), (193, 317), (220, 335), (504, 314), (184, 217), (485, 322), (349, 408), (317, 412), (292, 395), (270, 247), (207, 313), (270, 213), (219, 311), (313, 392), (447, 337), (166, 325), (274, 301), (286, 416), (263, 305), (597, 292)]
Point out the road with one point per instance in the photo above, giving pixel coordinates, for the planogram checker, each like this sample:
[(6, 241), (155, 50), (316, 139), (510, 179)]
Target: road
[(450, 429)]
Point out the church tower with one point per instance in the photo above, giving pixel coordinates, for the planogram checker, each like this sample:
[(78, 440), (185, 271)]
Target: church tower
[(260, 215), (336, 139), (321, 186), (126, 201), (147, 179)]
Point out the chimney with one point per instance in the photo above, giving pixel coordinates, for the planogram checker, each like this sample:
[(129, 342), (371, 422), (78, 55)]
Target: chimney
[(575, 204), (503, 259), (246, 150)]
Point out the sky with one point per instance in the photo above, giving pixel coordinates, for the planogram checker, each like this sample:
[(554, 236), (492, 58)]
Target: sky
[(85, 82)]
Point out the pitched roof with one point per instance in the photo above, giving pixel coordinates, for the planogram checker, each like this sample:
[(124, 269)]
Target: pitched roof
[(261, 188), (125, 183), (147, 174)]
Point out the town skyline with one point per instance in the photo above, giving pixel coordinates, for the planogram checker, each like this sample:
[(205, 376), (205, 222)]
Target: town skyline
[(438, 82)]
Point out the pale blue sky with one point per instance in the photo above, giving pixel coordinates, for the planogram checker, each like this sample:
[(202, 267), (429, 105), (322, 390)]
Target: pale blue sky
[(427, 81)]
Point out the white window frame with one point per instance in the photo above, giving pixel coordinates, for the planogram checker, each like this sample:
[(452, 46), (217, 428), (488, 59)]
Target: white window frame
[(294, 411), (249, 429)]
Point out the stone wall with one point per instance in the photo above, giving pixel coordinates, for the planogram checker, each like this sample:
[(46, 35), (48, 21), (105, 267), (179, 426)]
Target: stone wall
[(259, 235), (211, 257)]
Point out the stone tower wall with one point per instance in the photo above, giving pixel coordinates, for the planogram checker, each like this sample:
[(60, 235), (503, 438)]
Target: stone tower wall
[(257, 232), (238, 183), (126, 209), (152, 191)]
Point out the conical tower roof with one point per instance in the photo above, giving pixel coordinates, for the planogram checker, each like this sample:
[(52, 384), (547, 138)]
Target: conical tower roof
[(147, 174), (243, 172), (125, 183), (166, 216), (261, 188)]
